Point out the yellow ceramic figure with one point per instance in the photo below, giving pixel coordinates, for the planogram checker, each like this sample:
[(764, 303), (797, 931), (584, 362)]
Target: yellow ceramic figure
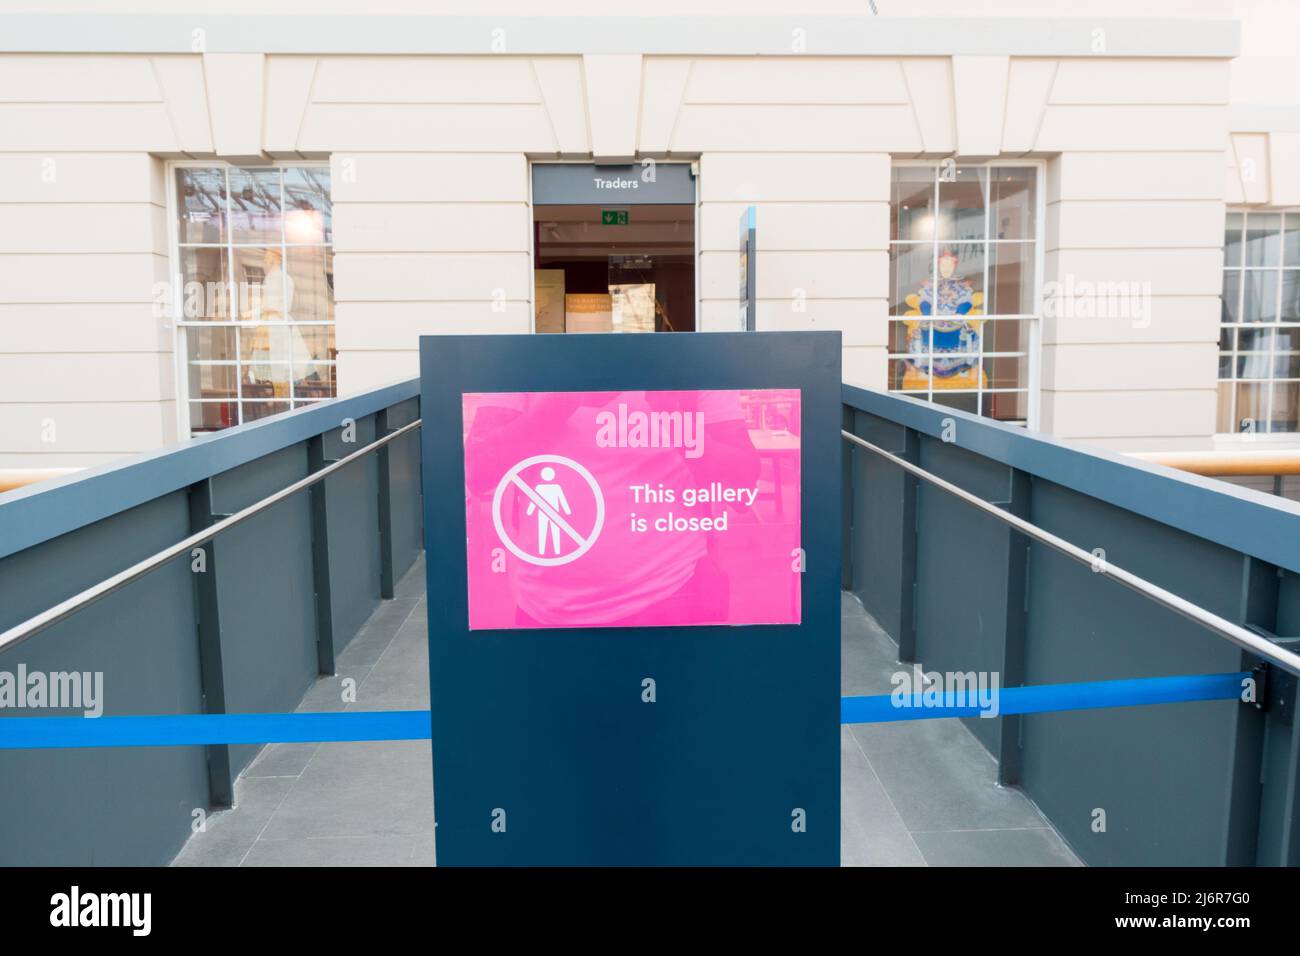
[(949, 310)]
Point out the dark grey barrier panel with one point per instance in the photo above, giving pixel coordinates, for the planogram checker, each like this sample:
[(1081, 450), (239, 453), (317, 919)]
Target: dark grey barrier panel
[(84, 807), (263, 576), (351, 511), (1207, 783), (1279, 815), (963, 559), (1160, 774), (402, 524), (883, 548), (238, 633)]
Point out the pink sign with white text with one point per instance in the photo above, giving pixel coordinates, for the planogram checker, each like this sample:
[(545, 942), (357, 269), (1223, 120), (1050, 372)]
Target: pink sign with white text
[(632, 509)]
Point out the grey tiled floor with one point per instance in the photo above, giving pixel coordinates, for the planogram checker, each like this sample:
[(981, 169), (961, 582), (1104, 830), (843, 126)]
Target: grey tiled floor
[(924, 792), (914, 793)]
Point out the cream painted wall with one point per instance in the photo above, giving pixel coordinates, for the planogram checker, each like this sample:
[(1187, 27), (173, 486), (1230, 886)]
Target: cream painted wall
[(1133, 198), (86, 371), (429, 159)]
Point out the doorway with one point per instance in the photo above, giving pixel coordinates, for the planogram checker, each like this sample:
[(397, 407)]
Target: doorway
[(614, 248)]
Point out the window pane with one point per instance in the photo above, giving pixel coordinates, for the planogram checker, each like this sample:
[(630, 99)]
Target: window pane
[(259, 284), (308, 213), (1232, 226), (255, 410), (961, 204), (1225, 366), (1285, 416), (311, 284), (967, 402), (961, 281), (313, 381), (207, 289), (909, 374), (213, 381), (1260, 303), (1006, 335), (898, 336), (212, 416), (255, 205), (911, 208), (215, 345), (265, 381), (1254, 365), (1290, 296), (952, 370), (1263, 238), (1251, 407), (1291, 240), (1006, 372), (1231, 297), (264, 343), (1011, 278), (1005, 406), (201, 197), (1014, 204), (313, 343), (910, 270)]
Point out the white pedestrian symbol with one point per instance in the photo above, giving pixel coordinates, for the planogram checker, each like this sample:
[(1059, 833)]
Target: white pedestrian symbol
[(553, 495), (548, 501)]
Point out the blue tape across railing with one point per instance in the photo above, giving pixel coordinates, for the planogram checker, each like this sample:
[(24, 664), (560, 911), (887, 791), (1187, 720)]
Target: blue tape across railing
[(1050, 697), (36, 733)]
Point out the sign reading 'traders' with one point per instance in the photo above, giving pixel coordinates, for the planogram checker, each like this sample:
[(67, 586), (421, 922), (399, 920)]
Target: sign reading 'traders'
[(633, 555)]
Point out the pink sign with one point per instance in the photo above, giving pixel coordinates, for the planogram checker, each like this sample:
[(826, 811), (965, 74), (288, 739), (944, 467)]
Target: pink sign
[(632, 509)]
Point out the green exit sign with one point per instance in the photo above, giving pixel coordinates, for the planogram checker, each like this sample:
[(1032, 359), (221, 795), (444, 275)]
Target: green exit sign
[(613, 217)]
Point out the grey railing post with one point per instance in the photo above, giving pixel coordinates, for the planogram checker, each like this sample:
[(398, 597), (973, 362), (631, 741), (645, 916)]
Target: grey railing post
[(1277, 838), (320, 559), (907, 551), (881, 542), (203, 567), (1279, 830), (846, 502), (1017, 611), (385, 508)]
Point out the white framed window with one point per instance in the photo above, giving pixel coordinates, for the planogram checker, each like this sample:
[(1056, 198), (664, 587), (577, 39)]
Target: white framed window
[(1259, 340), (252, 291), (965, 261)]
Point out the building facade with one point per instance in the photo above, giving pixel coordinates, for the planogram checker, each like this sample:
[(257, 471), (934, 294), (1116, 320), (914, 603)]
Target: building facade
[(1088, 226)]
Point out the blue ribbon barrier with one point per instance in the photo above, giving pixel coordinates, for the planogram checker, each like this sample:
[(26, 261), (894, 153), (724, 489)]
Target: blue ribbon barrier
[(185, 730), (34, 733), (1047, 697)]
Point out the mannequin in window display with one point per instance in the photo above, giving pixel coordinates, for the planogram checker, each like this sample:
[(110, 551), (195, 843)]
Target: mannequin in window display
[(272, 303), (954, 304)]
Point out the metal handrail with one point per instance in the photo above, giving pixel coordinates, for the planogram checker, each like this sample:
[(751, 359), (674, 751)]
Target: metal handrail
[(34, 625), (1241, 636)]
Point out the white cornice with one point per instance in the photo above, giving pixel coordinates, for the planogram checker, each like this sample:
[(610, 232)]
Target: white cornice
[(700, 36)]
